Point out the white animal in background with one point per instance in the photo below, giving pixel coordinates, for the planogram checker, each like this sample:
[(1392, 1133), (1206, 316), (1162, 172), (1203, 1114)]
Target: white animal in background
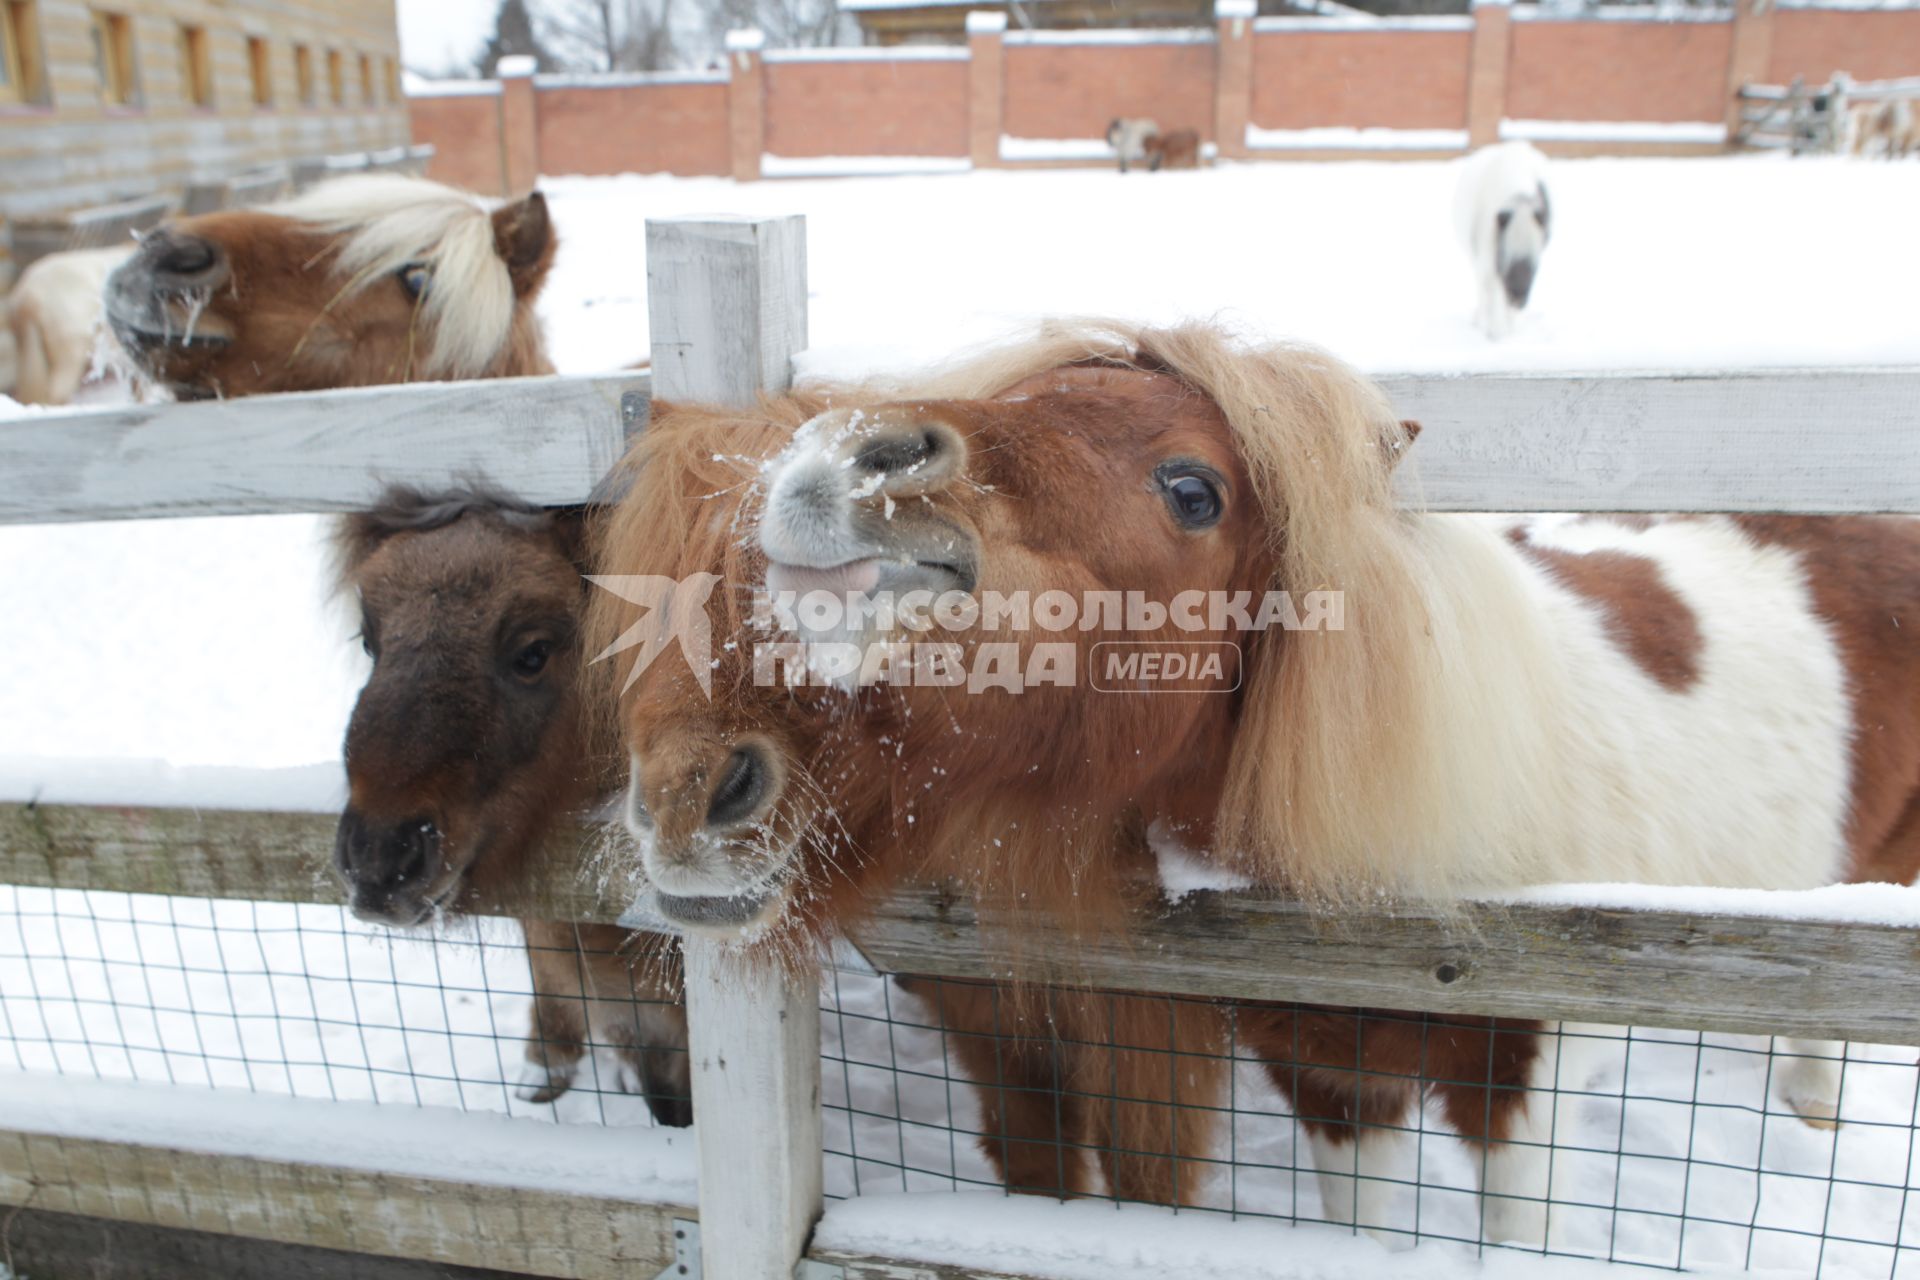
[(1890, 128), (1504, 217), (55, 312), (1128, 136)]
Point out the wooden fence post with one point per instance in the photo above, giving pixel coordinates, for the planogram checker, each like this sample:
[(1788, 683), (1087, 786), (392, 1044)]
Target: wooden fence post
[(727, 303)]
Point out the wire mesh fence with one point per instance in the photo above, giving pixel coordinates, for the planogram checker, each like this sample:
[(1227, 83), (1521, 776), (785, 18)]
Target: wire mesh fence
[(1661, 1148), (303, 1000), (1667, 1149)]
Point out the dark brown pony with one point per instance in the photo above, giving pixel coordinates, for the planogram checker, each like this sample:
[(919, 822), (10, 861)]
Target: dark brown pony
[(1424, 748), (364, 280), (467, 750)]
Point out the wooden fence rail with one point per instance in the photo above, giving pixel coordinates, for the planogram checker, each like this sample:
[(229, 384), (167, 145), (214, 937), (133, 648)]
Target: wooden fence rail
[(1693, 969), (1810, 441)]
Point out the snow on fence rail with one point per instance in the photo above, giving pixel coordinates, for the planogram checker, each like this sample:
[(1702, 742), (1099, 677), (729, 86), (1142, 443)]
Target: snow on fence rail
[(728, 312)]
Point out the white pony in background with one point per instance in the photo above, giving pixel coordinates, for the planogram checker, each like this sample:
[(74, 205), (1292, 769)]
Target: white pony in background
[(1503, 215), (55, 313)]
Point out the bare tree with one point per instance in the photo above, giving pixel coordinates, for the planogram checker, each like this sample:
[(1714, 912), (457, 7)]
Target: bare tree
[(789, 24), (612, 35)]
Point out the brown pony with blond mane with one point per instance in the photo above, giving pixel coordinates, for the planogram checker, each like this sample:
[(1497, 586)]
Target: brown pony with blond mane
[(369, 279), (1709, 700)]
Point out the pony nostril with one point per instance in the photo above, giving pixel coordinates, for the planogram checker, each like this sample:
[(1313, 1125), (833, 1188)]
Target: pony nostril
[(416, 840), (186, 256), (891, 455), (740, 790)]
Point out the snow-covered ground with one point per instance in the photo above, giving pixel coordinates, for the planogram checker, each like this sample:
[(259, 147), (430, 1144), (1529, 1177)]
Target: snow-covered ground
[(1653, 264), (211, 643)]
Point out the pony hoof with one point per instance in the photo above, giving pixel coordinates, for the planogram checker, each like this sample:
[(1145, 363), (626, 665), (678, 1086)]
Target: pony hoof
[(1816, 1113), (1523, 1224), (538, 1084)]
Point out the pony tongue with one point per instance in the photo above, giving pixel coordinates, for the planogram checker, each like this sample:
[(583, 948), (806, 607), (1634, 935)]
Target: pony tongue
[(854, 576)]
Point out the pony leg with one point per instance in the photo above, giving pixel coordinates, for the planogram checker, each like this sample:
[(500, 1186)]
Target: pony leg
[(1029, 1124), (557, 1039), (1153, 1071), (1512, 1118), (1351, 1079), (639, 1007), (1809, 1080)]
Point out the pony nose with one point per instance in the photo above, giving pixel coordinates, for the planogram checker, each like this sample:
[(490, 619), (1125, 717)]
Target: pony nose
[(909, 452), (185, 259), (380, 859)]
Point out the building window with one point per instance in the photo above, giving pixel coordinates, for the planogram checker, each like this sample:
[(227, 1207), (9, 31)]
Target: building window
[(393, 80), (336, 79), (20, 78), (367, 87), (196, 70), (260, 67), (303, 73), (113, 58)]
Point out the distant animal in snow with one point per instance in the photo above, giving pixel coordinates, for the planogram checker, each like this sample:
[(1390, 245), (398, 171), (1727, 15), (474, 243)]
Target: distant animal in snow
[(1504, 216), (1128, 137), (1889, 128), (55, 313), (1177, 150)]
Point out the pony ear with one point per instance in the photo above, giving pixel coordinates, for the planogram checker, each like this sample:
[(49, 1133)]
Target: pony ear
[(523, 237), (1397, 449)]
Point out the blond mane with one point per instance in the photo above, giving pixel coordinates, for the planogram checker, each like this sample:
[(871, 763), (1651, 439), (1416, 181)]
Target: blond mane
[(388, 221)]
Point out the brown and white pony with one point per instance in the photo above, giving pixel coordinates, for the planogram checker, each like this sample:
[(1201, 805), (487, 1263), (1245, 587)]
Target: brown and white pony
[(1710, 700), (467, 751), (374, 278)]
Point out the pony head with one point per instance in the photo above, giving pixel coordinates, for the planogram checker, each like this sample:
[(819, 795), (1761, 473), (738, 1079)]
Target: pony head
[(466, 745), (369, 279), (1115, 469)]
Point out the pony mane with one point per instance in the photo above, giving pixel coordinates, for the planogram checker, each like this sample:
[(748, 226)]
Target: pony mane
[(404, 508), (388, 221)]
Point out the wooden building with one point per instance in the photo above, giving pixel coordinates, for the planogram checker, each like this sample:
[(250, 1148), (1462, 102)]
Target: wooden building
[(109, 100)]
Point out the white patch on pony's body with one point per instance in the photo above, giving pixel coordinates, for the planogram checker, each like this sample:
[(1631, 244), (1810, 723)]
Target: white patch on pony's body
[(1566, 761), (389, 221), (56, 312), (1501, 212)]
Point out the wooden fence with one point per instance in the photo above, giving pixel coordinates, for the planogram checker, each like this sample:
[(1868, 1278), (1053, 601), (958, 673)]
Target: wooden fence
[(728, 312)]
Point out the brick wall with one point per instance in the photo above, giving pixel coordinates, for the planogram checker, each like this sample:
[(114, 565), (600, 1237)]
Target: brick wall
[(1388, 80), (633, 128), (465, 132), (1867, 45), (1428, 74), (867, 107), (1619, 70), (1076, 90)]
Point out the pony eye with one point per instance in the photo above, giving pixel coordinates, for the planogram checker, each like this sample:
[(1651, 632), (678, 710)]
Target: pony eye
[(1194, 498), (532, 660), (414, 277)]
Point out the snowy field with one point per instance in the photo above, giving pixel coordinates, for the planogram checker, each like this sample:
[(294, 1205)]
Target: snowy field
[(211, 643)]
